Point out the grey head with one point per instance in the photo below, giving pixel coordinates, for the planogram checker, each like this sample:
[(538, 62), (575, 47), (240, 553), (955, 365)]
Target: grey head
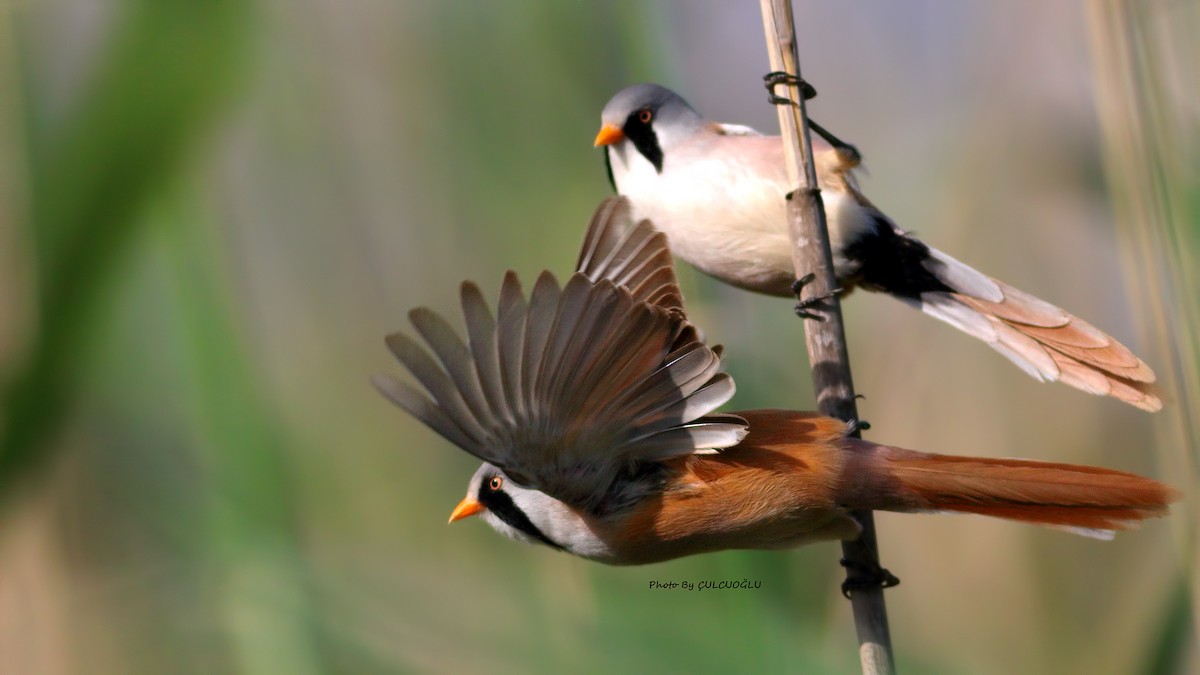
[(515, 511), (534, 517), (651, 118)]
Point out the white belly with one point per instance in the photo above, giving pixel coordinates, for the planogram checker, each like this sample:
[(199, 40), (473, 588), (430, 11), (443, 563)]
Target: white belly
[(726, 218)]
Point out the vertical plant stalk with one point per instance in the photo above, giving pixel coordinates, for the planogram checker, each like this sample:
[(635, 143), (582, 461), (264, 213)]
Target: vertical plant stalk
[(826, 339), (1151, 159)]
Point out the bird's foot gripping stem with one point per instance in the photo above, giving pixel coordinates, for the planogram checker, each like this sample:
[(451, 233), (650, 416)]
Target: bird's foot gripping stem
[(863, 577), (848, 154), (778, 77), (803, 306)]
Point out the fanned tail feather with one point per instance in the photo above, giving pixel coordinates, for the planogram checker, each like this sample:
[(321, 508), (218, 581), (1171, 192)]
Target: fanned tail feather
[(1045, 341)]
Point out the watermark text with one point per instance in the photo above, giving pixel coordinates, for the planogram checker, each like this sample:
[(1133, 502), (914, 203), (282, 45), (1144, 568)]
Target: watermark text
[(708, 585)]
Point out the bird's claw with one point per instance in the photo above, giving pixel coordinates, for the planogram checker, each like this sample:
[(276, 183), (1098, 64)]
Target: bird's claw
[(863, 577), (803, 306), (799, 284), (859, 425), (777, 77)]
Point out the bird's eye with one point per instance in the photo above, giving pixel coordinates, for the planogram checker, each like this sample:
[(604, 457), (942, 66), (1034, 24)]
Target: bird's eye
[(645, 115), (495, 482)]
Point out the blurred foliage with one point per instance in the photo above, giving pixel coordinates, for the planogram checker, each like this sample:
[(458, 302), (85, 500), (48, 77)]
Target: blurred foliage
[(150, 100), (213, 211), (1140, 57)]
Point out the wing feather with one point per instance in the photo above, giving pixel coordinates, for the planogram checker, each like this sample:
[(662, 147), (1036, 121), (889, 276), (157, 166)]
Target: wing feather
[(712, 395), (569, 388), (633, 255), (437, 383), (483, 340), (645, 345), (706, 432), (456, 360), (683, 372), (598, 237), (510, 342), (610, 387), (419, 406), (543, 307)]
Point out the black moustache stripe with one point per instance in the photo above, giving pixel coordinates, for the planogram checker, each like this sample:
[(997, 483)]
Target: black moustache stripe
[(646, 142), (506, 510)]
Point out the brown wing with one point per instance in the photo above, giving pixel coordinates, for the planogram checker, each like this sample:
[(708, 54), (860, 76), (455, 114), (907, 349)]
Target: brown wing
[(637, 257), (632, 255), (565, 390)]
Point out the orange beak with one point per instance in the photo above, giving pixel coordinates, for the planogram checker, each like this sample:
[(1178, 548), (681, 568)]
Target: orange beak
[(608, 135), (467, 507)]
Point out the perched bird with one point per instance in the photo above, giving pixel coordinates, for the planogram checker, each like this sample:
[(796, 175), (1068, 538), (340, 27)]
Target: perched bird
[(591, 406), (717, 191)]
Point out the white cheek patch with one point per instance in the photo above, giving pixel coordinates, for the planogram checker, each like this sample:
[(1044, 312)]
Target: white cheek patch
[(631, 170)]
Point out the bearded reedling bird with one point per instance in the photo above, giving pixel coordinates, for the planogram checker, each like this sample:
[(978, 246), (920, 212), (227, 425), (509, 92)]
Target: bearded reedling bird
[(717, 191), (591, 406)]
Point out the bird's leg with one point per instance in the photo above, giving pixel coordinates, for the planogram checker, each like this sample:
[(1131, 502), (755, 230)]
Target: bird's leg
[(777, 77), (850, 155), (861, 577), (859, 425), (802, 306)]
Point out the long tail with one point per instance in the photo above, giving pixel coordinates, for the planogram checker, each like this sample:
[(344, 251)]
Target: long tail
[(1045, 341), (1087, 500)]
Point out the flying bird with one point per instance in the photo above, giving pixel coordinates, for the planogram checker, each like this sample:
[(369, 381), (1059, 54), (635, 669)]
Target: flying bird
[(717, 191), (592, 405)]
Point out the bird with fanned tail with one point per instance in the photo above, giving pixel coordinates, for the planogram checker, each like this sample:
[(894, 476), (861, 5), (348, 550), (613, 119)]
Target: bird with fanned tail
[(717, 191)]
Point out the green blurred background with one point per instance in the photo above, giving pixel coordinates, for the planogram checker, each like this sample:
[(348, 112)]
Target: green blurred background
[(211, 213)]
